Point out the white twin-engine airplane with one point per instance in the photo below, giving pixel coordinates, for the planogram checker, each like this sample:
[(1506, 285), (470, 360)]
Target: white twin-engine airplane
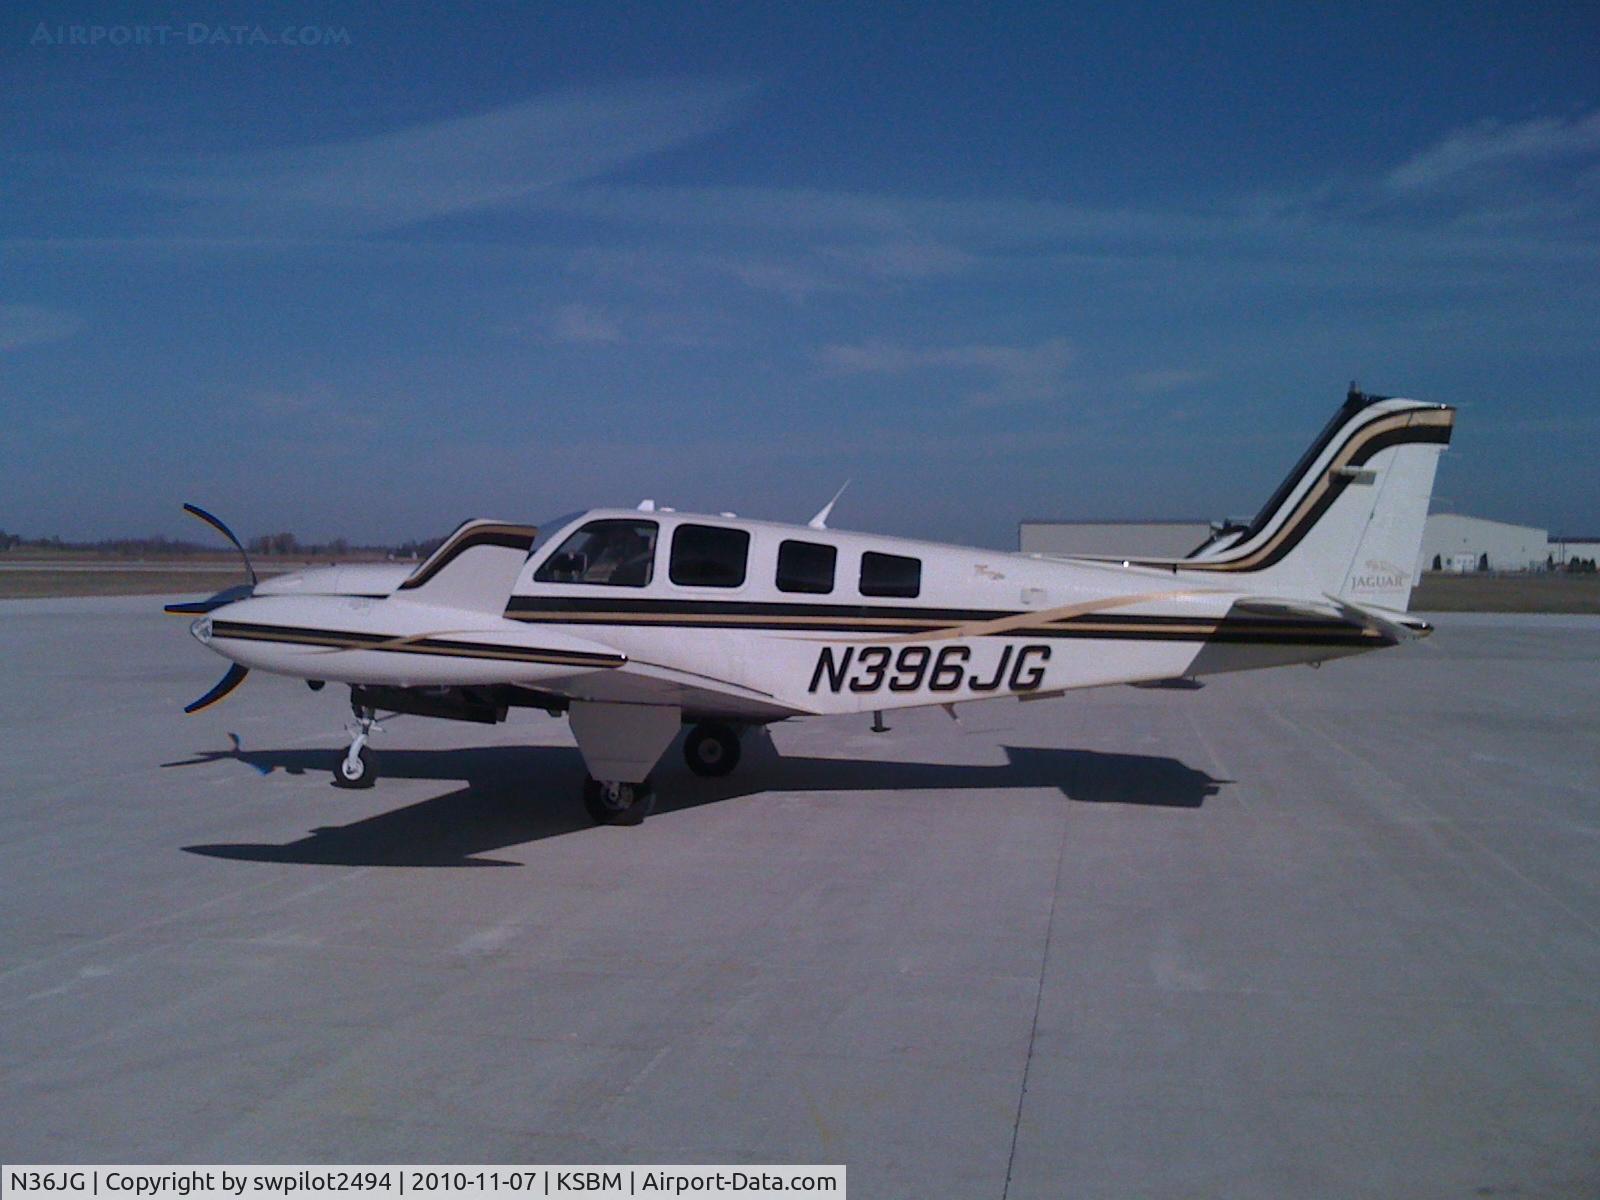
[(635, 621)]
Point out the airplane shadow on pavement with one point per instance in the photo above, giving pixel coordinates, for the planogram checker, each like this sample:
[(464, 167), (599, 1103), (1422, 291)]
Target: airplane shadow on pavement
[(518, 794)]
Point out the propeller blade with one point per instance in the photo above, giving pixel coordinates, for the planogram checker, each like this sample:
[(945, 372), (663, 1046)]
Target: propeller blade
[(190, 608), (226, 684), (216, 524), (241, 591)]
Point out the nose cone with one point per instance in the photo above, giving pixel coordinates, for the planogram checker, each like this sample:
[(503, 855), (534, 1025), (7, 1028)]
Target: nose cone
[(211, 629)]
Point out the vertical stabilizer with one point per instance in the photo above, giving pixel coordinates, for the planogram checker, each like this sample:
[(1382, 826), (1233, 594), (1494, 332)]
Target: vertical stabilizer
[(1348, 520)]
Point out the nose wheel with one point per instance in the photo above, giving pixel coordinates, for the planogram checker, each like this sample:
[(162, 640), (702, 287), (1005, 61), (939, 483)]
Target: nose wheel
[(712, 749), (357, 772), (358, 768)]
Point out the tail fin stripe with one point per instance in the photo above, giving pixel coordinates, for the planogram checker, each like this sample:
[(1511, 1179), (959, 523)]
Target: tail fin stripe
[(1428, 426)]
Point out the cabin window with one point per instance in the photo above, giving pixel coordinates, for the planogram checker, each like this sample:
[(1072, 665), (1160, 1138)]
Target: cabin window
[(890, 575), (709, 556), (621, 553), (806, 567)]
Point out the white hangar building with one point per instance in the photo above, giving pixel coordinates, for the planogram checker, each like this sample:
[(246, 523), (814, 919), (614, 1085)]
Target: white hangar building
[(1461, 543)]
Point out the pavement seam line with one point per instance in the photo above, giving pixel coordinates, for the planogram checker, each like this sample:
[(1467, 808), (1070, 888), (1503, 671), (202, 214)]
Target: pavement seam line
[(1038, 1004)]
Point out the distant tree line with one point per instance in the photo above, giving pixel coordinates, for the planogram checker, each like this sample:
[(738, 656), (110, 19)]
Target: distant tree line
[(287, 545), (1573, 566), (279, 545)]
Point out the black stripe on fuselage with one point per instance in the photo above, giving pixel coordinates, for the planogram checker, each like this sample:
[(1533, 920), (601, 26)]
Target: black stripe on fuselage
[(345, 640), (743, 614), (865, 620), (543, 606)]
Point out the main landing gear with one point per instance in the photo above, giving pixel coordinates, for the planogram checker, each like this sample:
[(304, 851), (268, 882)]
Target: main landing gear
[(357, 769), (620, 744), (617, 803), (711, 749)]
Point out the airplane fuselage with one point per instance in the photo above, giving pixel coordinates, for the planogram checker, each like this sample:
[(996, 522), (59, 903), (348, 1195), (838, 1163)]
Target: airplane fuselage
[(981, 624)]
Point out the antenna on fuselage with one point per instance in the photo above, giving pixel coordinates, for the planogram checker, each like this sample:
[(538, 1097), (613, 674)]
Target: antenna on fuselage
[(820, 521)]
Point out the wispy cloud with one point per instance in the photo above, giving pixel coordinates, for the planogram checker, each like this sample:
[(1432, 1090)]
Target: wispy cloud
[(1463, 200), (875, 225), (1496, 145), (583, 325), (453, 166), (282, 413), (1010, 374), (1496, 192), (32, 325), (908, 259), (1169, 379)]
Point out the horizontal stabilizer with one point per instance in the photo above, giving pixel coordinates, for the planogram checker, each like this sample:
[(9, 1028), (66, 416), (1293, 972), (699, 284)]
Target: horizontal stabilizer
[(475, 569), (1396, 625)]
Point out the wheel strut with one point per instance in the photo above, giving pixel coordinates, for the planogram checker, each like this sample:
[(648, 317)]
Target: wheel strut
[(356, 769)]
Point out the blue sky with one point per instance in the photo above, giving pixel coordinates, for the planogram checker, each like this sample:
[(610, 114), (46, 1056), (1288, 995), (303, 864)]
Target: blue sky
[(1033, 260)]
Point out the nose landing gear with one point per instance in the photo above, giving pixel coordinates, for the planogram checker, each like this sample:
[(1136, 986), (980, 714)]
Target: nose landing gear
[(358, 769)]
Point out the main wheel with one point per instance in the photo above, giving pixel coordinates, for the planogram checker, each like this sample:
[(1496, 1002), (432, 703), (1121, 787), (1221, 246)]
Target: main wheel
[(618, 803), (359, 774), (712, 749)]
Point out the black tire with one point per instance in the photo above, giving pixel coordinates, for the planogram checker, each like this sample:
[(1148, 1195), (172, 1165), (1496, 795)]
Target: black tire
[(366, 778), (632, 804), (712, 749)]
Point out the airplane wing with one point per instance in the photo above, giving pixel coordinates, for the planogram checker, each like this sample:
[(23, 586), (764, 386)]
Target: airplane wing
[(705, 697)]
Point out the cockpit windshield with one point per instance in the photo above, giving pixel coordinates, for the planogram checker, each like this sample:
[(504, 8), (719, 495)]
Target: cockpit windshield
[(619, 551), (549, 529)]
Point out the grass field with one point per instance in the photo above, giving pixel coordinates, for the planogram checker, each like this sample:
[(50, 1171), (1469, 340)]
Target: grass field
[(23, 582), (1555, 592), (37, 572)]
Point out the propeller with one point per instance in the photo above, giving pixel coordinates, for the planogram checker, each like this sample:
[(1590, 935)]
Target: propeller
[(242, 591), (226, 684)]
